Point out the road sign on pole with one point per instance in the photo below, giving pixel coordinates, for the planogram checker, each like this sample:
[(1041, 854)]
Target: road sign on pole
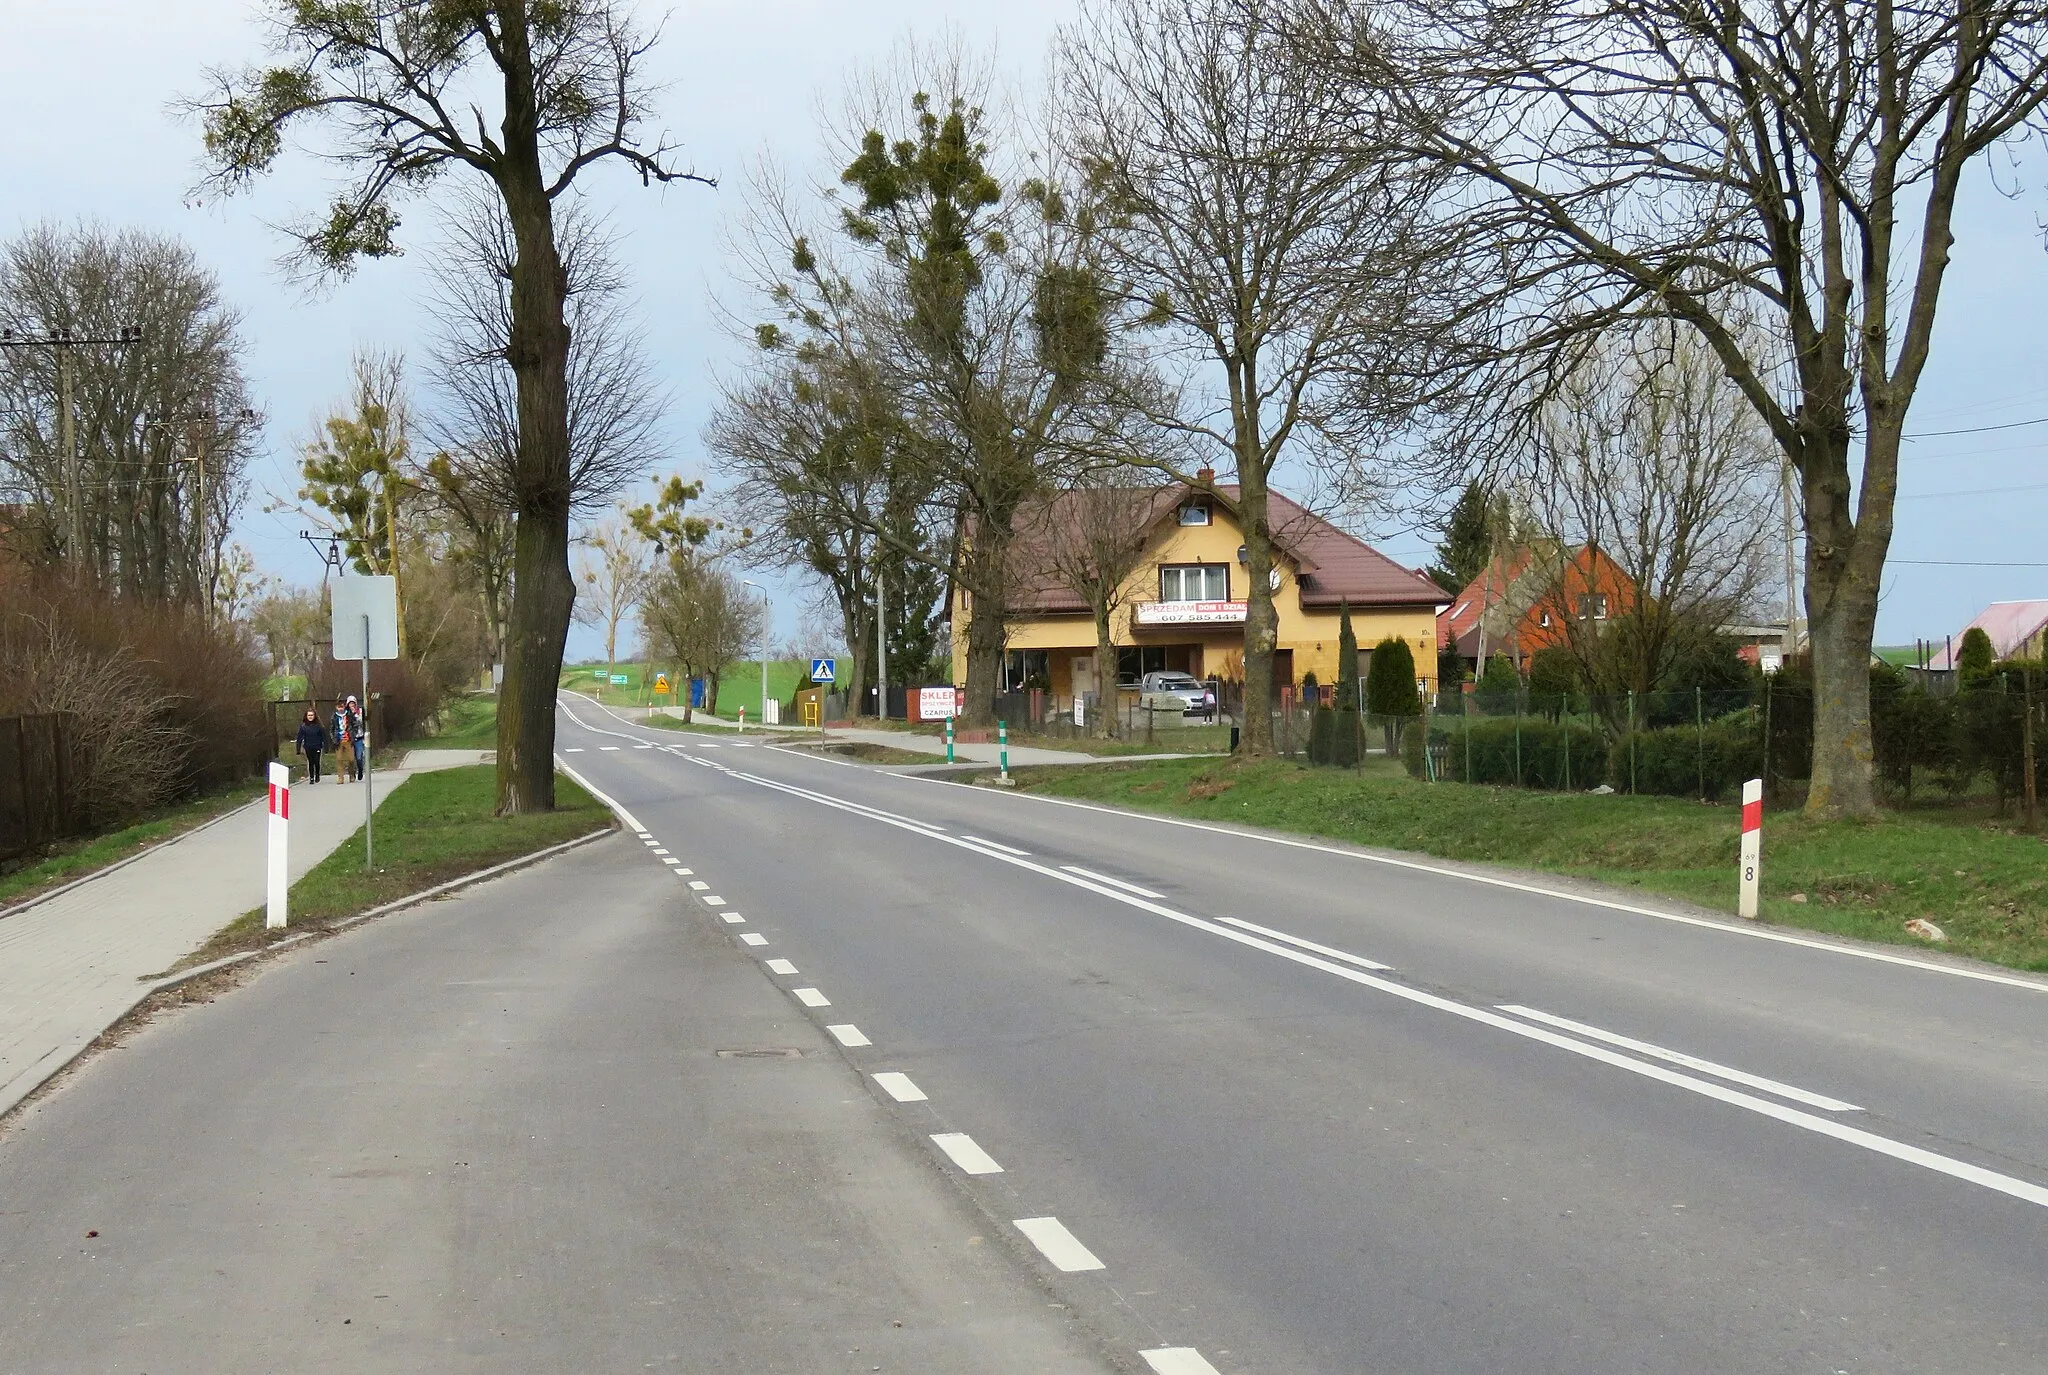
[(280, 820), (824, 671), (1752, 846), (660, 684)]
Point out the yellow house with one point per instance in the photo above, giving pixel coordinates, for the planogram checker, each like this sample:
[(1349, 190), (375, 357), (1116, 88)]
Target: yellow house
[(1183, 608)]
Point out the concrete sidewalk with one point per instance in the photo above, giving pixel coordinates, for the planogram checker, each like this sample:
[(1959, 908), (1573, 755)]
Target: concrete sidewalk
[(72, 964)]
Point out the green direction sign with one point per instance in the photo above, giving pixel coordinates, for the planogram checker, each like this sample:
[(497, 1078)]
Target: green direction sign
[(618, 680)]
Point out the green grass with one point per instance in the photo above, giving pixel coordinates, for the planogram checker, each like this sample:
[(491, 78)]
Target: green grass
[(1165, 740), (661, 720), (1984, 884), (467, 723), (739, 686), (281, 687), (432, 828), (75, 859)]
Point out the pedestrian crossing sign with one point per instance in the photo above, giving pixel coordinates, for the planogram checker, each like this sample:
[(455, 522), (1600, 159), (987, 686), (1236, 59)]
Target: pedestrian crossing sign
[(823, 671)]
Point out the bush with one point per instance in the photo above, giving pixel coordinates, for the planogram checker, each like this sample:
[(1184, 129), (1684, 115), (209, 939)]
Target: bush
[(1553, 678), (1335, 736), (1500, 687), (1414, 741), (1552, 754), (1687, 761)]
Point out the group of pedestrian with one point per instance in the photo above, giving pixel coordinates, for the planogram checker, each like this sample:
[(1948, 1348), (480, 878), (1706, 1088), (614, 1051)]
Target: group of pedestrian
[(345, 735)]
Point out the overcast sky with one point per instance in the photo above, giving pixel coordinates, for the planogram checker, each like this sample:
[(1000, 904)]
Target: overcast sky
[(84, 90)]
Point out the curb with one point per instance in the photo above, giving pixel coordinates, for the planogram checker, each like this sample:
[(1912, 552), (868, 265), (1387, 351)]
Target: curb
[(144, 853), (63, 1057)]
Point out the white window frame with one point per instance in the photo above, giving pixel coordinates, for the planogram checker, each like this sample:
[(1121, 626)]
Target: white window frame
[(1213, 578), (1195, 513)]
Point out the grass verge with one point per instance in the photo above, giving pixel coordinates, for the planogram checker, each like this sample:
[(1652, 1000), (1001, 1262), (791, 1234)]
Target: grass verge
[(467, 723), (1165, 740), (76, 859), (662, 721), (432, 828), (878, 754), (1986, 886)]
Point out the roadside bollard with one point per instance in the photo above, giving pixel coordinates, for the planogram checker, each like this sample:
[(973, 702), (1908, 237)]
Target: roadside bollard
[(949, 739), (743, 720), (280, 822), (1752, 846), (1003, 748)]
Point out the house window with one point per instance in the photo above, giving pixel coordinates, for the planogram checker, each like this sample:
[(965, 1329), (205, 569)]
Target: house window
[(1545, 621), (1195, 513), (1593, 606), (1133, 662), (1194, 582), (1026, 668)]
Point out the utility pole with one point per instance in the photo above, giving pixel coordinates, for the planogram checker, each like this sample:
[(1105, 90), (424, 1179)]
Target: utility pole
[(1791, 577), (881, 644), (65, 342)]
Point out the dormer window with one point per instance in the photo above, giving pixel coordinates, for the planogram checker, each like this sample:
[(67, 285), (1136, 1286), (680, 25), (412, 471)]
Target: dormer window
[(1194, 513)]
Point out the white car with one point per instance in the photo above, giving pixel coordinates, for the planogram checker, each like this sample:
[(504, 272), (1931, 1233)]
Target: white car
[(1176, 691)]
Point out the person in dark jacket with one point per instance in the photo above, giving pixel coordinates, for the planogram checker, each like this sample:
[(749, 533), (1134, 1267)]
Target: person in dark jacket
[(312, 741)]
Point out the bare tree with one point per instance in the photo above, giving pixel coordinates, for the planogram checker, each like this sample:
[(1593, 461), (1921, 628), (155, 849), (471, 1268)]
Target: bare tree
[(164, 429), (1782, 181), (480, 529), (1092, 537), (402, 85), (1650, 458), (1272, 247), (698, 617), (615, 575)]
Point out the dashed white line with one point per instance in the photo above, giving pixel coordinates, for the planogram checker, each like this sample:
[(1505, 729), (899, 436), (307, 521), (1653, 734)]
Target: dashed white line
[(608, 749), (1057, 1244), (653, 845), (1755, 1081), (996, 845), (960, 1148), (849, 1035), (782, 966), (681, 872), (899, 1087), (1112, 882), (753, 938), (698, 885), (572, 749), (643, 747), (809, 997), (713, 899), (733, 917), (644, 836), (1177, 1360), (671, 859), (1331, 951)]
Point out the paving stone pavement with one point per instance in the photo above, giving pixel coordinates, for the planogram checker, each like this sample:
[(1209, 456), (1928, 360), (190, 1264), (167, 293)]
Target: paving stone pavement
[(72, 965)]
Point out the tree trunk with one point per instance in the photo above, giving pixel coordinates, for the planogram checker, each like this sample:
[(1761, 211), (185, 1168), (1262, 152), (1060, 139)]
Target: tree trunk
[(1843, 563), (1103, 725), (1261, 619), (543, 591), (985, 630)]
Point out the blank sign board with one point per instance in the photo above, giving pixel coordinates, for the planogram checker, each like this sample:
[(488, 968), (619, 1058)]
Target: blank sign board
[(355, 598)]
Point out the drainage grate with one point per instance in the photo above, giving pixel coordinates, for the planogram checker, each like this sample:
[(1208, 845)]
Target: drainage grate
[(761, 1053)]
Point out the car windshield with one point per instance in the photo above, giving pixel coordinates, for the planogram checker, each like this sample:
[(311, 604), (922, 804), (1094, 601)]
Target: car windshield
[(1177, 681)]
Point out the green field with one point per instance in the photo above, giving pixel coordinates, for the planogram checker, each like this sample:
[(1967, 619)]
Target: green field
[(1982, 882), (740, 685)]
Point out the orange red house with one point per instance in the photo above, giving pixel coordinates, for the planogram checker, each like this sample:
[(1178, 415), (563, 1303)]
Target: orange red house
[(1529, 598)]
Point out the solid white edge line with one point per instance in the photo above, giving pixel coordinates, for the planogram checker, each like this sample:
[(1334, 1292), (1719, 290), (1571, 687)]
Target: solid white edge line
[(1057, 1244), (996, 845), (962, 1150), (626, 818), (1114, 882), (1881, 1145), (780, 966), (809, 997), (1677, 1057), (1361, 961), (1494, 881), (848, 1034), (899, 1087), (1177, 1360)]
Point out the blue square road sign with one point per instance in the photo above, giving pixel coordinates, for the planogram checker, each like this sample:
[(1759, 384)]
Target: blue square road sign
[(823, 671)]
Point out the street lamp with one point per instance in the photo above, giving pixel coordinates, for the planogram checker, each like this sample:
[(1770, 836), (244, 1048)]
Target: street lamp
[(749, 582)]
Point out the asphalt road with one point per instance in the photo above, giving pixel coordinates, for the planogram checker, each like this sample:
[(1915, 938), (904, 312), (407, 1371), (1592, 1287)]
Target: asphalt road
[(1549, 1135), (1077, 1091)]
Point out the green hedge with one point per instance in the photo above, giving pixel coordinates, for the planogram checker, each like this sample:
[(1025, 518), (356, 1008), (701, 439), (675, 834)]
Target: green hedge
[(1527, 752), (1335, 737), (1687, 761)]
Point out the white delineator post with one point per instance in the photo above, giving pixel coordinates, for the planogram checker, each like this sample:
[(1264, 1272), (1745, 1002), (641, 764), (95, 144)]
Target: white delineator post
[(1752, 845), (280, 822)]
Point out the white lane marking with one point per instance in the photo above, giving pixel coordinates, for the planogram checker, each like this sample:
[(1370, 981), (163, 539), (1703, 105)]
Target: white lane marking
[(753, 938), (1057, 1244), (1330, 950), (996, 845), (1755, 1081), (713, 899), (607, 748), (1491, 881), (655, 849), (572, 749), (708, 745), (671, 860), (1113, 882), (680, 872), (741, 744), (1870, 1141), (810, 997), (733, 917), (698, 885), (782, 966), (644, 836), (849, 1035), (1177, 1360), (960, 1148), (643, 747), (626, 818), (899, 1087)]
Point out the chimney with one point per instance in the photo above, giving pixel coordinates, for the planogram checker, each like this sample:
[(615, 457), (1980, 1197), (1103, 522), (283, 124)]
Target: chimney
[(1205, 476)]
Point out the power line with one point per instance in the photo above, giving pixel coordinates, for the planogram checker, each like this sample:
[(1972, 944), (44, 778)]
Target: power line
[(1975, 492), (1977, 429), (1963, 563)]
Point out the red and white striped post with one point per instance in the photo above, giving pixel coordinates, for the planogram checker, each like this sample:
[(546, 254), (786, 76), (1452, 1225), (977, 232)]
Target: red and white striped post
[(1752, 845), (280, 821)]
